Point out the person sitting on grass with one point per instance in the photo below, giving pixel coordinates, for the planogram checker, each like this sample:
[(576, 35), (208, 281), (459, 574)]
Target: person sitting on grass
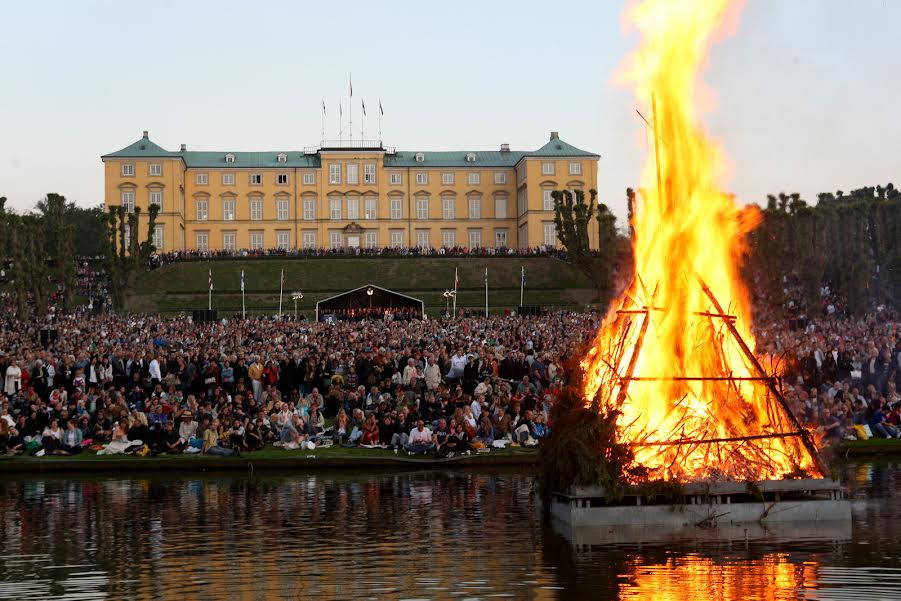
[(342, 426), (487, 434), (211, 442), (168, 440), (370, 435), (440, 436), (236, 436), (70, 443), (252, 439), (458, 442), (420, 439), (51, 438)]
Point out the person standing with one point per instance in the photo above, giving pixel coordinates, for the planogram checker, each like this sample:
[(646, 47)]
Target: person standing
[(13, 378)]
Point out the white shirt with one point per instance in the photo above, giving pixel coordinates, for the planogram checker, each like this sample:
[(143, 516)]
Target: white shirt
[(458, 364), (476, 409), (155, 370), (13, 379), (423, 437)]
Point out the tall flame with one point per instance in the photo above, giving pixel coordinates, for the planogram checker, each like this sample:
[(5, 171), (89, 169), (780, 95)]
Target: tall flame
[(667, 356)]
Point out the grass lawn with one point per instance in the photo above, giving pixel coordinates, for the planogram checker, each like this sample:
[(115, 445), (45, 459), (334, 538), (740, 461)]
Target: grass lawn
[(872, 446)]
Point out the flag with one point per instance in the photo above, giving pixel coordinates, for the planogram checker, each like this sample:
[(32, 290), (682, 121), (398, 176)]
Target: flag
[(242, 280), (282, 282), (486, 276), (381, 110), (340, 110), (211, 279), (364, 107), (523, 280), (351, 80), (323, 106), (456, 278)]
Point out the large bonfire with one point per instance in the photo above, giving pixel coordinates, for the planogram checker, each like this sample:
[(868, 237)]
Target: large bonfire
[(674, 356)]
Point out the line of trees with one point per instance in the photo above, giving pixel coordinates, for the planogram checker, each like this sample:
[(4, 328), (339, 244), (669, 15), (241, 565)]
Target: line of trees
[(124, 254)]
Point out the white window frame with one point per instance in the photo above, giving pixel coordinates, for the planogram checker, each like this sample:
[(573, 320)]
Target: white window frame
[(282, 209), (475, 207), (396, 208), (228, 209), (281, 179), (422, 178), (448, 238), (353, 207), (202, 209), (475, 238), (334, 174), (202, 241), (128, 169), (334, 206), (369, 173), (547, 168), (127, 235), (371, 239), (352, 174), (397, 238), (282, 158), (423, 238), (500, 207), (156, 197), (229, 240), (309, 239), (500, 178), (547, 201), (500, 239), (447, 178), (396, 179), (155, 169), (283, 239), (256, 208), (334, 239), (575, 168), (256, 240), (309, 178), (229, 158), (228, 179), (549, 227), (256, 179), (422, 207), (309, 209), (127, 198), (159, 238), (448, 208), (473, 178), (201, 179), (370, 208)]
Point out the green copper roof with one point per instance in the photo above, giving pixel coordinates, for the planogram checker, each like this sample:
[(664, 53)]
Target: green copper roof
[(294, 158), (559, 148), (483, 158), (142, 148)]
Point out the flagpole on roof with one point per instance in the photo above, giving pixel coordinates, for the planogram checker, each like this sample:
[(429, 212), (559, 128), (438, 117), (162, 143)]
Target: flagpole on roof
[(322, 132), (381, 112), (350, 106)]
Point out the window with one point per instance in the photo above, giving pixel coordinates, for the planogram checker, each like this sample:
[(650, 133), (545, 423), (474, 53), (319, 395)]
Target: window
[(353, 176), (370, 208), (470, 157), (547, 169), (500, 238), (202, 240), (397, 238), (369, 173), (475, 238), (422, 239), (201, 179), (396, 208), (500, 178), (283, 240), (522, 200), (228, 179), (422, 178), (500, 207), (228, 240), (448, 208), (156, 169), (334, 173), (282, 157), (550, 234), (309, 179), (422, 208), (127, 235), (128, 201), (447, 179), (522, 171), (309, 239), (203, 209), (256, 179), (128, 169), (448, 238), (575, 168), (156, 197), (256, 209), (229, 158), (256, 240), (420, 157), (228, 209), (158, 237), (309, 209), (473, 178), (475, 207), (334, 205), (395, 179), (281, 179), (281, 209), (547, 200), (334, 239), (353, 207), (371, 239)]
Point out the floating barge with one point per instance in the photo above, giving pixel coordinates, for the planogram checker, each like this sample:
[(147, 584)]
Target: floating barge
[(732, 509)]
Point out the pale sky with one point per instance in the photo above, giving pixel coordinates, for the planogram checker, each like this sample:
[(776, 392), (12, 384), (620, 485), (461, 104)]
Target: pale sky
[(808, 91)]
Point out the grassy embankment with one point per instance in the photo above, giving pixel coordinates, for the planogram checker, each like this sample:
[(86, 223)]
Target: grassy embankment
[(183, 286)]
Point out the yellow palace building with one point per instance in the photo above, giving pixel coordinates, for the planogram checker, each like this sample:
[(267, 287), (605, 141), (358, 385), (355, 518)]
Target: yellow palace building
[(347, 194)]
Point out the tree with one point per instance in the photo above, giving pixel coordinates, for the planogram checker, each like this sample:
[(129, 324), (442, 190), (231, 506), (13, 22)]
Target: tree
[(124, 254)]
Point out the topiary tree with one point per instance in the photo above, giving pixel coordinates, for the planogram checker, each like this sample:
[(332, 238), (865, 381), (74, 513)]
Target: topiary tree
[(124, 254)]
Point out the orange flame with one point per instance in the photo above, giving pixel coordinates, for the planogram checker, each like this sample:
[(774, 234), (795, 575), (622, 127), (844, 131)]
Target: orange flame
[(666, 356)]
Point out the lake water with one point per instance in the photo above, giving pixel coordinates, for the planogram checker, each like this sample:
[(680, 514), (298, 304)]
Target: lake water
[(422, 535)]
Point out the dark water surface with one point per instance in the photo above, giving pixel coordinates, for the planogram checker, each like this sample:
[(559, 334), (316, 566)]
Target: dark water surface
[(424, 535)]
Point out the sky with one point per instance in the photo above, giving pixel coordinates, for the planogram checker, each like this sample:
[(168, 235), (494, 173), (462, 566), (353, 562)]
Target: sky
[(807, 91)]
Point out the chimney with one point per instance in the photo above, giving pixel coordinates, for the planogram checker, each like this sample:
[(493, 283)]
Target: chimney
[(555, 135), (184, 147), (505, 148), (146, 134)]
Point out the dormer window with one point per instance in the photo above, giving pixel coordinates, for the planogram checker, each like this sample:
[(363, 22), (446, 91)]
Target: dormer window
[(420, 157), (229, 158), (282, 157), (470, 157)]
